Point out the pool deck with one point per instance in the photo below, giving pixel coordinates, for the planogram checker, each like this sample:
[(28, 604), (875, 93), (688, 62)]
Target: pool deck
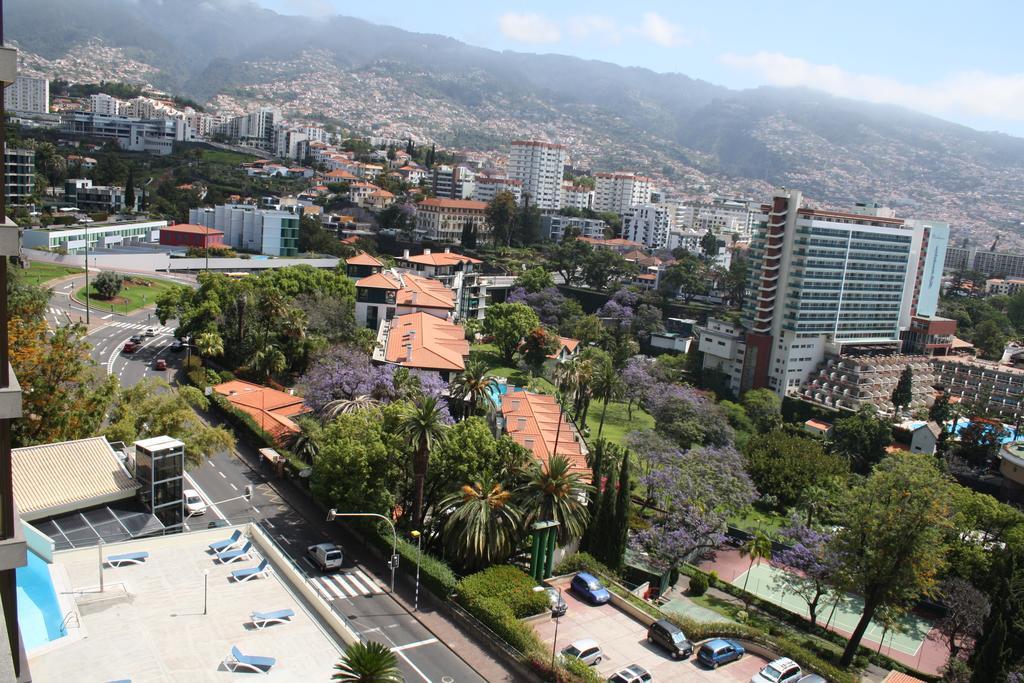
[(148, 624)]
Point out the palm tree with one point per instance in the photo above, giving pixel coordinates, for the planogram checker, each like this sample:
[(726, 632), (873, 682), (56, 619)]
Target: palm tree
[(483, 528), (423, 426), (574, 378), (268, 361), (473, 384), (305, 444), (210, 344), (368, 662), (759, 547), (606, 386), (344, 406), (553, 492)]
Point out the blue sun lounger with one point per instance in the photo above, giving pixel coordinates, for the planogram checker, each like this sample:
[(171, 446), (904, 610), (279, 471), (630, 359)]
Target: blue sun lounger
[(242, 553), (263, 619), (236, 660), (256, 572), (227, 543), (127, 558)]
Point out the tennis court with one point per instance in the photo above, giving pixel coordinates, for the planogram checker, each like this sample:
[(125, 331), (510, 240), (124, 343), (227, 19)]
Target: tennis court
[(843, 615)]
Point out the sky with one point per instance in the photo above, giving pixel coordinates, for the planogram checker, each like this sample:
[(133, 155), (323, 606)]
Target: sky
[(962, 61)]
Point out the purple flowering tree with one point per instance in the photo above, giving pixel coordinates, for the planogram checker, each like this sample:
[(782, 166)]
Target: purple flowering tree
[(695, 492), (966, 611), (637, 382), (687, 416), (808, 567), (621, 313), (345, 372), (550, 305)]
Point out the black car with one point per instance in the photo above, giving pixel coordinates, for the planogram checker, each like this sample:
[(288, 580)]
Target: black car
[(136, 339), (558, 605), (671, 637)]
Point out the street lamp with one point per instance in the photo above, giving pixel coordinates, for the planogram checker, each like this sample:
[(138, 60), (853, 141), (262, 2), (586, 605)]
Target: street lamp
[(419, 547), (246, 496), (555, 613), (333, 514)]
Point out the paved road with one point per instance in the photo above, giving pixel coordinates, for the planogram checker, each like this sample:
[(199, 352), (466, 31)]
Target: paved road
[(359, 591)]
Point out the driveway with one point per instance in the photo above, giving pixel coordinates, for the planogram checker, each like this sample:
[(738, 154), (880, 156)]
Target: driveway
[(624, 642)]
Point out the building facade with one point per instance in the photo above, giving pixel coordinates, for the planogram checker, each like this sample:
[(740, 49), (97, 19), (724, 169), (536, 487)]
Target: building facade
[(576, 197), (616, 192), (246, 228), (188, 235), (554, 227), (383, 295), (72, 240), (539, 166), (28, 94), (451, 182), (444, 219), (485, 189), (19, 174), (852, 382), (442, 266), (648, 224), (996, 264), (156, 136), (102, 199)]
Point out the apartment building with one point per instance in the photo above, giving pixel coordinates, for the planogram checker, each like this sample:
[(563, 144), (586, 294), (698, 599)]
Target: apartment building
[(28, 95), (648, 224), (442, 266), (420, 341), (255, 129), (827, 283), (616, 192), (539, 165), (384, 295), (187, 235), (554, 227), (723, 216), (969, 379), (852, 382), (485, 189), (1006, 286), (474, 292), (451, 182), (156, 136), (444, 219), (102, 199), (100, 236), (576, 196), (19, 174), (246, 228), (104, 105)]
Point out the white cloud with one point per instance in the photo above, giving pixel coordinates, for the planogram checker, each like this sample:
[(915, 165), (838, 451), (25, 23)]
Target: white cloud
[(972, 93), (529, 28), (594, 27), (660, 30)]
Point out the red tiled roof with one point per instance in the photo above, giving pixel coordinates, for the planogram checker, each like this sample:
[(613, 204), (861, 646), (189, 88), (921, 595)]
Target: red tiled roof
[(420, 340), (465, 204), (441, 258), (413, 290), (363, 259), (192, 229), (271, 409), (566, 343), (340, 174), (532, 420)]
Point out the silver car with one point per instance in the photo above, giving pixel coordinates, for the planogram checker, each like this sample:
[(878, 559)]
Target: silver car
[(586, 650)]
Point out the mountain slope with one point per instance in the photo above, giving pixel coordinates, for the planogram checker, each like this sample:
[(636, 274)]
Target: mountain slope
[(694, 135)]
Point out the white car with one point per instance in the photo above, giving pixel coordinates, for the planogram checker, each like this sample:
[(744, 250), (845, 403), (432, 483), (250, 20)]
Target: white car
[(783, 670), (150, 332), (194, 503)]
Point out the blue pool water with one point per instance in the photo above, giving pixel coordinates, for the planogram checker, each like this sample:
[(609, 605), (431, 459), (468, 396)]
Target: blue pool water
[(1011, 436), (496, 391), (39, 614)]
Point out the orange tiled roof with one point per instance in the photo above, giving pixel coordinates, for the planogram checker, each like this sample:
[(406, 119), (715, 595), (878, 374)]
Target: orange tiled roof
[(192, 229), (442, 258), (363, 259), (379, 281), (614, 242), (340, 174), (566, 343), (423, 341), (532, 421), (271, 409), (466, 204), (413, 290)]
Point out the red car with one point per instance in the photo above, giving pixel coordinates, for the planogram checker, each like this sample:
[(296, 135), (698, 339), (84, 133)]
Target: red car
[(159, 364), (129, 347)]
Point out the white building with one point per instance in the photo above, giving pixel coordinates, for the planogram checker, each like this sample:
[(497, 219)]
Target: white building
[(648, 224), (135, 135), (104, 104), (246, 228), (616, 192), (724, 217), (255, 129), (554, 227), (28, 95), (100, 236), (485, 189), (444, 219), (539, 166), (576, 196), (451, 182)]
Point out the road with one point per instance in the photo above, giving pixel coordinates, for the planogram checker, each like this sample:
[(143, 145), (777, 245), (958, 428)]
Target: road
[(359, 591)]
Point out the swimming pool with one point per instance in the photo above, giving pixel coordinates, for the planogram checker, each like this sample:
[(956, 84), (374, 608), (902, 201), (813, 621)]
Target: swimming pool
[(39, 615), (497, 390)]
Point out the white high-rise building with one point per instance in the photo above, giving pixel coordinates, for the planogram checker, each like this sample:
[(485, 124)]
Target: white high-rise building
[(539, 166), (275, 233), (648, 224), (576, 196), (28, 95), (723, 216), (616, 192), (486, 188), (104, 104)]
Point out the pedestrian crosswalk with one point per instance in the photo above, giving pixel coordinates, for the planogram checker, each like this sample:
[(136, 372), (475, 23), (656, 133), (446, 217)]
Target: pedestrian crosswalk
[(142, 326), (348, 585), (55, 311)]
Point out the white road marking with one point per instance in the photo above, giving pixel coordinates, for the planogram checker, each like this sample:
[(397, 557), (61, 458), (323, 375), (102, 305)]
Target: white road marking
[(414, 667), (221, 475), (107, 316), (233, 487), (331, 588), (374, 588), (418, 643), (344, 584)]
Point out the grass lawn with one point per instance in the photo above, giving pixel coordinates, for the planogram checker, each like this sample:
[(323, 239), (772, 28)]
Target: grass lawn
[(616, 422), (488, 353), (136, 293), (39, 272), (755, 517)]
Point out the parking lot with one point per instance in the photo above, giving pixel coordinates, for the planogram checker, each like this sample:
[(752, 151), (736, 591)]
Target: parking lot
[(624, 642)]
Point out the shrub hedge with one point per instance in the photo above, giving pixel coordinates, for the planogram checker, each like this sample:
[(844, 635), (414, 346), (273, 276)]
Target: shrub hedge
[(698, 585), (509, 585), (584, 562), (435, 574)]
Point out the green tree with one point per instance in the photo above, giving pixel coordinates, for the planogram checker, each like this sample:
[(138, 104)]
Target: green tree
[(536, 347), (553, 492), (619, 534), (790, 467), (904, 391), (764, 407), (735, 282), (990, 339), (597, 470), (469, 234), (940, 411), (604, 268), (51, 164), (107, 284), (861, 438), (568, 257), (209, 345), (268, 361), (757, 548), (502, 213), (369, 662), (534, 280), (508, 324), (129, 190), (687, 278), (607, 385), (890, 549), (424, 425), (484, 526), (1001, 643), (471, 385), (709, 244)]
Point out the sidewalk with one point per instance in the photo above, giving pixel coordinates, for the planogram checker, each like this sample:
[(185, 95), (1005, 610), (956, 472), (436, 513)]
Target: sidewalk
[(431, 610)]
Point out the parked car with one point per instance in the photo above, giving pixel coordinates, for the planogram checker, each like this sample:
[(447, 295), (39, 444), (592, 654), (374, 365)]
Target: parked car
[(719, 651), (812, 678), (194, 503), (326, 556), (671, 637), (634, 673), (159, 364), (589, 588), (136, 339), (586, 650), (558, 605), (783, 670), (130, 347), (150, 332)]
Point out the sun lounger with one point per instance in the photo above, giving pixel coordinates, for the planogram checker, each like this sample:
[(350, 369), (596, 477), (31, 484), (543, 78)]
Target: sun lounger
[(251, 572), (236, 660), (263, 619), (127, 558), (227, 543), (242, 553)]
